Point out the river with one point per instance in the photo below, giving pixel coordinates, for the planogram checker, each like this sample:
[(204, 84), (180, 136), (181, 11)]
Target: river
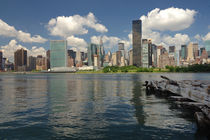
[(91, 106)]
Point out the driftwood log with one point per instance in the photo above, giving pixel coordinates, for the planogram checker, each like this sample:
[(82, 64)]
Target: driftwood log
[(188, 94)]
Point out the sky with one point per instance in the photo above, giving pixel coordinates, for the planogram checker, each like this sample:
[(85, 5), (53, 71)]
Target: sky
[(31, 24)]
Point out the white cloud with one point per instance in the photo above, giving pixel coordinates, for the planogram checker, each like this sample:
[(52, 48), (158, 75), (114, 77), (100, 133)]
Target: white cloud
[(197, 37), (9, 49), (77, 43), (74, 25), (177, 40), (111, 42), (207, 37), (172, 19), (10, 31)]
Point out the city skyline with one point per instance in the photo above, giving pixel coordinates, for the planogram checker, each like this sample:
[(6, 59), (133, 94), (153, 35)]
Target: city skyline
[(91, 23)]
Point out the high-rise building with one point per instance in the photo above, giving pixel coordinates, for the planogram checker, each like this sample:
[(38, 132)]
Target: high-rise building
[(130, 57), (207, 46), (114, 59), (71, 58), (20, 60), (98, 50), (195, 50), (121, 46), (154, 55), (122, 49), (145, 53), (1, 56), (150, 52), (31, 63), (41, 63), (137, 35), (190, 56), (119, 55), (159, 53), (58, 53), (171, 49), (184, 52), (92, 50), (48, 59)]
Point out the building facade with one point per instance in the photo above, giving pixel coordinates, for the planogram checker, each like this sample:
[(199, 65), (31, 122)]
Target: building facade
[(137, 36), (58, 53), (1, 57), (20, 60)]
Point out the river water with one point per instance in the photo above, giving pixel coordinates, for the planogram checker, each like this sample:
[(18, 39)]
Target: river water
[(91, 106)]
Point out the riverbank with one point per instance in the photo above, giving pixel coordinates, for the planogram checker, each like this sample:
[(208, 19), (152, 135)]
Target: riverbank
[(198, 68)]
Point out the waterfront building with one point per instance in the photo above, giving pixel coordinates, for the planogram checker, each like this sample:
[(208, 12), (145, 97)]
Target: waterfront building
[(164, 60), (171, 49), (70, 62), (71, 57), (195, 50), (48, 59), (137, 36), (114, 59), (41, 63), (145, 53), (207, 46), (20, 60), (31, 63), (58, 53), (130, 57), (119, 55), (159, 53), (150, 52), (92, 50), (154, 55), (122, 49), (184, 52), (190, 56), (1, 57)]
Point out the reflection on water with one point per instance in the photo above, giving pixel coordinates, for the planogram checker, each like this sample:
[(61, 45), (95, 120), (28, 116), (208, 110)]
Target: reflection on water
[(89, 106)]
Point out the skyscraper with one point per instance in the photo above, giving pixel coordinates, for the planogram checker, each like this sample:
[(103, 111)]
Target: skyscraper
[(31, 63), (1, 56), (207, 46), (195, 50), (130, 57), (48, 59), (145, 53), (184, 52), (137, 35), (20, 60), (58, 53), (190, 56), (92, 50), (171, 49)]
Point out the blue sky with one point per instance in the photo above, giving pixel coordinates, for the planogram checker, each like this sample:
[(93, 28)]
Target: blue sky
[(33, 16)]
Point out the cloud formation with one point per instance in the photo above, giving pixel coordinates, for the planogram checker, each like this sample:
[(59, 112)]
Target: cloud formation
[(74, 25), (206, 37), (77, 43), (9, 49), (10, 31), (111, 42), (171, 19)]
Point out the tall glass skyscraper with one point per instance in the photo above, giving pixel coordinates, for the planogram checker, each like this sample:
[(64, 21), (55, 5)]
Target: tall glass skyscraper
[(58, 53), (137, 35), (207, 46), (92, 50), (184, 51), (145, 53)]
